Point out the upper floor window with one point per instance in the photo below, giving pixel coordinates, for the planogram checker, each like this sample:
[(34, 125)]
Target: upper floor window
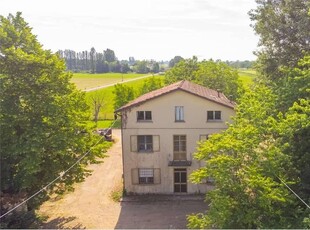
[(214, 115), (179, 113), (179, 147), (145, 143), (144, 115)]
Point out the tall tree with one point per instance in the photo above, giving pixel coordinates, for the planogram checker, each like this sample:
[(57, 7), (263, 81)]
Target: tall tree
[(123, 95), (283, 27), (247, 162), (92, 55), (109, 55), (175, 60), (42, 118), (150, 84)]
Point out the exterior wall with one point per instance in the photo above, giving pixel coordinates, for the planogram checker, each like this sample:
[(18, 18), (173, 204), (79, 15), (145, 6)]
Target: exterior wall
[(163, 124)]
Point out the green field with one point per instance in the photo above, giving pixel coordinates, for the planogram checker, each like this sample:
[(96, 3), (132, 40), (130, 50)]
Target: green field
[(107, 112), (106, 116), (247, 76), (86, 80)]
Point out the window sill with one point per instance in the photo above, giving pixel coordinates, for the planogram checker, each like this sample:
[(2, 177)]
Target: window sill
[(144, 121), (146, 152), (215, 121), (180, 121)]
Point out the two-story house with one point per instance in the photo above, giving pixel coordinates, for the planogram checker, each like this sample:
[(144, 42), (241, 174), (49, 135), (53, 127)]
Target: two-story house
[(160, 131)]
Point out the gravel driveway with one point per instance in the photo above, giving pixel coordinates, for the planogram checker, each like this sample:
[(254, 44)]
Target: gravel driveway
[(90, 205)]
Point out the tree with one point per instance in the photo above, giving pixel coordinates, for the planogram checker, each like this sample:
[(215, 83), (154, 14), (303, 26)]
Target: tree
[(283, 27), (175, 61), (141, 67), (214, 75), (246, 162), (150, 84), (97, 103), (42, 118), (92, 60), (183, 70), (109, 55), (123, 94)]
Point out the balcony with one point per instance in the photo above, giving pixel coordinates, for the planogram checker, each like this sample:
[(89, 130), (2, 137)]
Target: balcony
[(179, 160)]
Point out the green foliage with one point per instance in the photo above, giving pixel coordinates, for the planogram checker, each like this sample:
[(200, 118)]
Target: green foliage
[(245, 161), (42, 117), (214, 75), (294, 84), (175, 60), (150, 84), (123, 94), (283, 27)]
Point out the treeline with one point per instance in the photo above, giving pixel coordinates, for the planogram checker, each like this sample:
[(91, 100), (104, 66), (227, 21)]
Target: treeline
[(105, 62), (241, 64)]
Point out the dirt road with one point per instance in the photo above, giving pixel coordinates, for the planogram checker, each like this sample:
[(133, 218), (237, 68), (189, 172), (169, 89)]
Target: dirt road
[(90, 204)]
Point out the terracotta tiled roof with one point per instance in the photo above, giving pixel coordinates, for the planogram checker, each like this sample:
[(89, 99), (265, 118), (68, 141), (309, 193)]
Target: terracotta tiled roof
[(186, 86)]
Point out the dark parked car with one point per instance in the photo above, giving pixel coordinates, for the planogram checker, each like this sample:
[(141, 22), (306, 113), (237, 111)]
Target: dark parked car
[(107, 133)]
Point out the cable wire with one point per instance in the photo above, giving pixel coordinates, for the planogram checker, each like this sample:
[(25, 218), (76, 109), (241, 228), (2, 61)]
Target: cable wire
[(60, 176), (294, 192)]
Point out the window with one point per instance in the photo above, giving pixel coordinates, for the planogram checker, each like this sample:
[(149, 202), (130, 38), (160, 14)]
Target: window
[(179, 113), (214, 115), (144, 115), (179, 147), (146, 176), (145, 143)]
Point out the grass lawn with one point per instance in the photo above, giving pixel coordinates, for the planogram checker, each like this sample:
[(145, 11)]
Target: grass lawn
[(247, 76), (87, 80)]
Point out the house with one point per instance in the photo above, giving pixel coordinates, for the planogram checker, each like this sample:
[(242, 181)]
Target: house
[(160, 131)]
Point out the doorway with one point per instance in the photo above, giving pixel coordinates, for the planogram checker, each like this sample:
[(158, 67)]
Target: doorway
[(180, 180)]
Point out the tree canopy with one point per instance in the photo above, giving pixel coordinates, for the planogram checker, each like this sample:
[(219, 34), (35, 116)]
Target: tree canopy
[(211, 74), (42, 119)]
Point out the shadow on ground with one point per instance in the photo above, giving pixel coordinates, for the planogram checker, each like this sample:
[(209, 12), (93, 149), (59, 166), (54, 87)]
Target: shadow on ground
[(61, 223), (158, 212)]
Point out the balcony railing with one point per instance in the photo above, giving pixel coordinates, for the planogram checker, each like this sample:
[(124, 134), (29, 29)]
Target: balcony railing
[(179, 159)]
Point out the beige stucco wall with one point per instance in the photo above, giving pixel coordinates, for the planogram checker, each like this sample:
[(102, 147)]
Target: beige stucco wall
[(163, 124)]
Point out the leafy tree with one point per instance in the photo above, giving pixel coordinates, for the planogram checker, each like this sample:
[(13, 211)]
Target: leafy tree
[(283, 27), (141, 67), (109, 55), (123, 94), (150, 84), (175, 60), (214, 75), (183, 70), (42, 117), (246, 162)]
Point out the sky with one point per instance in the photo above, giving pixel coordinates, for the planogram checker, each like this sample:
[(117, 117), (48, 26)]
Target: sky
[(143, 29)]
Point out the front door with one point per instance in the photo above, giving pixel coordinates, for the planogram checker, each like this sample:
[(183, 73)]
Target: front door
[(180, 180)]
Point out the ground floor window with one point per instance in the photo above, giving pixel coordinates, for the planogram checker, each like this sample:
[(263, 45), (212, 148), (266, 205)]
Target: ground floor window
[(146, 176)]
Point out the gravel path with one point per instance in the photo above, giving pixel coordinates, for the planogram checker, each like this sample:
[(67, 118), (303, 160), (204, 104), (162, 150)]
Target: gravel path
[(90, 205)]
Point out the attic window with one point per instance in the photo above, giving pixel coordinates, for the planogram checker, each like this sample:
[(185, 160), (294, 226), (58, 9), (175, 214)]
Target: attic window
[(144, 115)]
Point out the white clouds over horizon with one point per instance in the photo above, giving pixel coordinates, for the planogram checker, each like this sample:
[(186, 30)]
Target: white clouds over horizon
[(145, 29)]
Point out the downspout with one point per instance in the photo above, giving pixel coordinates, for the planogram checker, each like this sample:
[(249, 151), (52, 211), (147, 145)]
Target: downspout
[(122, 137)]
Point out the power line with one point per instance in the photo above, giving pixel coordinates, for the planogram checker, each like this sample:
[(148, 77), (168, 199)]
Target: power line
[(61, 174), (294, 192)]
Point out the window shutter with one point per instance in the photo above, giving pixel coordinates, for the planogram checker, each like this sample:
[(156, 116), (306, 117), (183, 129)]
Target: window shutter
[(156, 143), (157, 178), (135, 176), (133, 144)]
